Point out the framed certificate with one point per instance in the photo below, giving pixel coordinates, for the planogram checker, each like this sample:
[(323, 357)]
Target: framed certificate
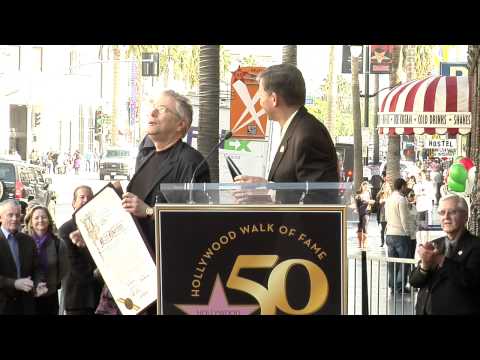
[(118, 249)]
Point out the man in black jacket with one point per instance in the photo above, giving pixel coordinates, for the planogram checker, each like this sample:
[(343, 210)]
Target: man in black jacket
[(448, 273), (306, 151), (20, 272), (169, 160), (82, 288)]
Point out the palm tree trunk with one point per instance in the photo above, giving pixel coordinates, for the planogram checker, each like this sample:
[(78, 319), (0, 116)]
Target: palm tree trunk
[(357, 124), (473, 152), (209, 88), (289, 54), (393, 153), (332, 93), (376, 141)]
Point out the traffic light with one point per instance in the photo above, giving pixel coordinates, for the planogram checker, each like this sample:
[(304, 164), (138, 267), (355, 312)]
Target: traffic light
[(37, 117), (150, 64)]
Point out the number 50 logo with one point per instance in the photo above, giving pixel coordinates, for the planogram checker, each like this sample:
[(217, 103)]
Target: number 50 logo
[(276, 294)]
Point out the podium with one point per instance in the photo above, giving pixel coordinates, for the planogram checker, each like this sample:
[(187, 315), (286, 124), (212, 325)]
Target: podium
[(252, 249)]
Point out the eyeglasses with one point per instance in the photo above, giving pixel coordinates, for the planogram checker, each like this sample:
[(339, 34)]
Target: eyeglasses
[(452, 212), (162, 109)]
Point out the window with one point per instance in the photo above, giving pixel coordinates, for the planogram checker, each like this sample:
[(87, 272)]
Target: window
[(7, 173), (117, 153)]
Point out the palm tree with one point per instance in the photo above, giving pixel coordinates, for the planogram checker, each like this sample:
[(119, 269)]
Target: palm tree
[(332, 93), (418, 58), (209, 92), (191, 65), (357, 119), (393, 152), (289, 54), (249, 60), (472, 151)]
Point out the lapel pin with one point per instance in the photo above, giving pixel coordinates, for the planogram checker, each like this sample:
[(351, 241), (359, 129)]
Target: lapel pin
[(460, 252), (282, 148)]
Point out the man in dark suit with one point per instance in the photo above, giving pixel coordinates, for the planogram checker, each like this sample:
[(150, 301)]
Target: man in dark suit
[(306, 151), (82, 289), (163, 158), (448, 273), (20, 274)]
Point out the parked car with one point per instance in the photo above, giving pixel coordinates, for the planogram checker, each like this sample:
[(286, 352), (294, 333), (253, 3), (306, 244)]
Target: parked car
[(25, 182), (116, 162)]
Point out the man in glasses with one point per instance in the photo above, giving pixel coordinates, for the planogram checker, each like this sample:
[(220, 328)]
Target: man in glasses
[(163, 158), (448, 273)]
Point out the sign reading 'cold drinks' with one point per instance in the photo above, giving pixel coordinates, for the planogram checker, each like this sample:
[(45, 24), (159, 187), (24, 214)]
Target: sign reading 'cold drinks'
[(461, 120)]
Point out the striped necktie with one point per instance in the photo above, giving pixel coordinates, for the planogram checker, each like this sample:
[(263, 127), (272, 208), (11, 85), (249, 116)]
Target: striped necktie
[(12, 242), (450, 249)]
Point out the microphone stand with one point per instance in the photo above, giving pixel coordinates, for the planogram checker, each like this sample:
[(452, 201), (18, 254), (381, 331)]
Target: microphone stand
[(228, 135)]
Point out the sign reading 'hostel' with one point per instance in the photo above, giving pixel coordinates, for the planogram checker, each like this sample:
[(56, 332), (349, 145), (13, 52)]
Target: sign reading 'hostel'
[(459, 120), (441, 144), (239, 260)]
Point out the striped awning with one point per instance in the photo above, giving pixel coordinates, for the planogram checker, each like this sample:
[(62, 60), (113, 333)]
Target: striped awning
[(435, 105)]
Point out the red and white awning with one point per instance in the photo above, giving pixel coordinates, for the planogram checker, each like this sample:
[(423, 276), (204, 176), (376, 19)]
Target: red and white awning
[(435, 105)]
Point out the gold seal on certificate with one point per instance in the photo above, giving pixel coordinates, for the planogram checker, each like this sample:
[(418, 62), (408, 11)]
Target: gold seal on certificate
[(128, 303)]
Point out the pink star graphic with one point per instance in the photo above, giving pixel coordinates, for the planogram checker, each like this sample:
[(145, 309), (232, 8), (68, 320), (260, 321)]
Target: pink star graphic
[(218, 304)]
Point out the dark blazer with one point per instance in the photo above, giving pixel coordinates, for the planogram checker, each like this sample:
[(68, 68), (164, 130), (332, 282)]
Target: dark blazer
[(145, 148), (178, 167), (306, 153), (453, 289), (82, 289), (58, 263), (12, 300)]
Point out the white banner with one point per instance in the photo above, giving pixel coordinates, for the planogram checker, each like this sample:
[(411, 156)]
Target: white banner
[(459, 120)]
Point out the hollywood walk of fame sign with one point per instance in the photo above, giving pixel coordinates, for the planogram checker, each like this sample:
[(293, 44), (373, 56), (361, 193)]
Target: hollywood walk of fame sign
[(251, 260)]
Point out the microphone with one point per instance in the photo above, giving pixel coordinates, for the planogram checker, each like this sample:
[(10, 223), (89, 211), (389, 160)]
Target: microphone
[(234, 170), (227, 136)]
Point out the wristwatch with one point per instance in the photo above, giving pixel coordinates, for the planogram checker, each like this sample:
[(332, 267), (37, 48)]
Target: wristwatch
[(149, 211)]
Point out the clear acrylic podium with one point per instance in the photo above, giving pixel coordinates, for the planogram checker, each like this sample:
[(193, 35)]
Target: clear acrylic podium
[(252, 249)]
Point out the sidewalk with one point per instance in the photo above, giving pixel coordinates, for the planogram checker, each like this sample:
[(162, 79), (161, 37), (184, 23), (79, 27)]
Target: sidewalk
[(374, 239)]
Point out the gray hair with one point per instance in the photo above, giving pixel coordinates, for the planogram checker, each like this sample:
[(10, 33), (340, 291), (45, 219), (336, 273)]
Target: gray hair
[(182, 106), (86, 187), (461, 203), (7, 202)]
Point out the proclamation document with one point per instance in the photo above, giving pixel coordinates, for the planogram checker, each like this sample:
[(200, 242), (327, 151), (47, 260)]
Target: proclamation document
[(118, 249)]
